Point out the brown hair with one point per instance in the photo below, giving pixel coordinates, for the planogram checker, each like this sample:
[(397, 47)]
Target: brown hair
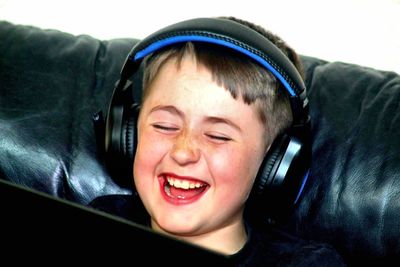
[(239, 74)]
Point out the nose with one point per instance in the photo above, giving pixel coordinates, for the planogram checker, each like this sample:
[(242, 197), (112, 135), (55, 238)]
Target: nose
[(185, 150)]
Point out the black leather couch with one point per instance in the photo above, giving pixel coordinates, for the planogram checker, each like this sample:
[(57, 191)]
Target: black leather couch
[(51, 84)]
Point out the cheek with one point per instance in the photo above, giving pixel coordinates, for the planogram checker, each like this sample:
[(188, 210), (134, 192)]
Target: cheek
[(149, 153), (235, 170)]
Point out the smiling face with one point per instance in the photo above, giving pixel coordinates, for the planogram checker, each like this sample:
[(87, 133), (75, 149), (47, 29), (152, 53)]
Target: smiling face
[(198, 153)]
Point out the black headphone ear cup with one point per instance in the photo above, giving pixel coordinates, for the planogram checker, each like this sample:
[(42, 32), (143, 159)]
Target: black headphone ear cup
[(120, 136), (261, 200), (280, 179), (129, 139)]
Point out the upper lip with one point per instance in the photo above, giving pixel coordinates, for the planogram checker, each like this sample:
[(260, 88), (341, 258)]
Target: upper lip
[(182, 181)]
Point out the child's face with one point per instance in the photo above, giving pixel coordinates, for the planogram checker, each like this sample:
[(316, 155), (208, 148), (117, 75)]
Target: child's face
[(194, 135)]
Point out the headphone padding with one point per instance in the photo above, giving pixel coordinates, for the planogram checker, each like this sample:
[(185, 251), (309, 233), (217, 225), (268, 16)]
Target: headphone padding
[(130, 132), (129, 137), (270, 164)]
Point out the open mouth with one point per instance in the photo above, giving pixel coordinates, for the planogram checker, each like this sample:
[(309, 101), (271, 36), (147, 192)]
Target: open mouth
[(182, 188)]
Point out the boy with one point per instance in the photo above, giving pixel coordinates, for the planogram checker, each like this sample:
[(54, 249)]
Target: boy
[(207, 120)]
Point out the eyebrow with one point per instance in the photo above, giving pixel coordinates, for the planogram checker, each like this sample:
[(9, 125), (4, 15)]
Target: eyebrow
[(167, 108)]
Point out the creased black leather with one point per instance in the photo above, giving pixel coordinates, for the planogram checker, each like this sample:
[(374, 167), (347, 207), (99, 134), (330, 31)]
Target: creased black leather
[(353, 196), (50, 85)]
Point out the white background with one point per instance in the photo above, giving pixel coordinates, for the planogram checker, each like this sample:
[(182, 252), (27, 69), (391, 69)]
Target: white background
[(364, 32)]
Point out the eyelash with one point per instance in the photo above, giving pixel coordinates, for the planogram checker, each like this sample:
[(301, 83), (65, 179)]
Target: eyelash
[(164, 128), (219, 138), (171, 129)]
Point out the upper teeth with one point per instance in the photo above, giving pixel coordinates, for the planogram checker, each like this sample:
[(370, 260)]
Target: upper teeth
[(184, 184)]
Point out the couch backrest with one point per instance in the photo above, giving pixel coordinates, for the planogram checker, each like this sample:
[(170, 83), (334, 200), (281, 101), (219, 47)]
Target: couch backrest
[(51, 83), (353, 196)]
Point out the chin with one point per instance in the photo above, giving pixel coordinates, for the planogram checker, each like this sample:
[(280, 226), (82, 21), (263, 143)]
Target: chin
[(177, 228)]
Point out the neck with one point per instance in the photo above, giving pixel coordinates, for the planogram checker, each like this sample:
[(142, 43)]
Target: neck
[(227, 240)]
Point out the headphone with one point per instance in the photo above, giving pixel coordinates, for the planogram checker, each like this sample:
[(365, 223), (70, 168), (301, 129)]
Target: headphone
[(284, 171)]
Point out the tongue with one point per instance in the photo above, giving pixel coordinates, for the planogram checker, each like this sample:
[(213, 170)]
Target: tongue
[(185, 193)]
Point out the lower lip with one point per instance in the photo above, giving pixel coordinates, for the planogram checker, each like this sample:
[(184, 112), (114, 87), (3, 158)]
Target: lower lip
[(177, 201)]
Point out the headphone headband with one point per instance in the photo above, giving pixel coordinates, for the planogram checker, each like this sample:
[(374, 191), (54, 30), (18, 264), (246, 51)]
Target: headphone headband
[(226, 33)]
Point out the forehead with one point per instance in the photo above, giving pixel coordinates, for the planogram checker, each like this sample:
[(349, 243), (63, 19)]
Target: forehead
[(176, 67), (186, 81), (191, 86)]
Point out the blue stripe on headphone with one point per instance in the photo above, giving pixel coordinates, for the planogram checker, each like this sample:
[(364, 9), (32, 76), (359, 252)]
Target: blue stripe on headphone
[(303, 183), (187, 38)]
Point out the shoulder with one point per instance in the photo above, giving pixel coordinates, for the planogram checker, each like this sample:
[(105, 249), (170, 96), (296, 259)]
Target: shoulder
[(126, 206), (276, 248)]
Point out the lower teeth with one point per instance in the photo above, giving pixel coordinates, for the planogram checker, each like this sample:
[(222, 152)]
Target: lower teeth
[(167, 190)]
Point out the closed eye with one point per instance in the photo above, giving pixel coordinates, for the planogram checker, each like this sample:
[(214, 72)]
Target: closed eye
[(165, 127), (219, 137)]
